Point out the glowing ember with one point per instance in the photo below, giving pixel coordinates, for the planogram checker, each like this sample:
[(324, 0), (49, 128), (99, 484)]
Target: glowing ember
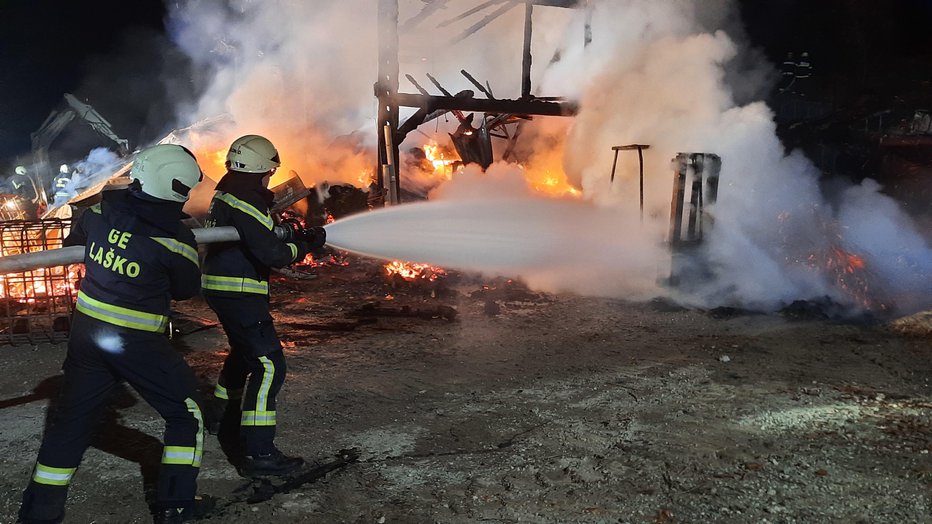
[(411, 271), (849, 272), (323, 261)]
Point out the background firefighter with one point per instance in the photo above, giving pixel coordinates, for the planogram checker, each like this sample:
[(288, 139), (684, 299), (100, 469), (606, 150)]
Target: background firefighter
[(26, 191), (139, 256), (236, 286)]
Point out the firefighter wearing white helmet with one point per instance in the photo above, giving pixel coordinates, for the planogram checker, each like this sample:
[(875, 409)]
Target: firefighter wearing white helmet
[(236, 286), (166, 172), (252, 154), (139, 256), (27, 193), (62, 186)]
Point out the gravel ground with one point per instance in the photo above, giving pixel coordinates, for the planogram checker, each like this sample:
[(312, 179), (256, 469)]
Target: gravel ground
[(528, 407)]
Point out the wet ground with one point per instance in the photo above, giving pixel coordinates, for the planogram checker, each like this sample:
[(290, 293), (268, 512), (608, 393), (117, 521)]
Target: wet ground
[(463, 403)]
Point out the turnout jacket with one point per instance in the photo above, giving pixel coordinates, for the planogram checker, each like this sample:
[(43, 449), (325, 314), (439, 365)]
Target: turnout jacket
[(138, 257), (237, 268)]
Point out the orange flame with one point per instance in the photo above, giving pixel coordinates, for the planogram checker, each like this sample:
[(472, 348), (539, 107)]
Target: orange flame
[(441, 160), (411, 271), (41, 283)]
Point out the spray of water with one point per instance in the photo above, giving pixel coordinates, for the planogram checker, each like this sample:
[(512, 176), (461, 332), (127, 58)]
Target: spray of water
[(544, 240)]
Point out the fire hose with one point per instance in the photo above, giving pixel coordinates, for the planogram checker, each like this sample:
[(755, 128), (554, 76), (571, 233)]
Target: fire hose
[(75, 254)]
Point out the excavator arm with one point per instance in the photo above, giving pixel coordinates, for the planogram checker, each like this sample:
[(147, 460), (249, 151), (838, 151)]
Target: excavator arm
[(57, 121)]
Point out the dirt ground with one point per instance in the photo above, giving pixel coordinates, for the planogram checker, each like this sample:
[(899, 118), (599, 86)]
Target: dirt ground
[(528, 407)]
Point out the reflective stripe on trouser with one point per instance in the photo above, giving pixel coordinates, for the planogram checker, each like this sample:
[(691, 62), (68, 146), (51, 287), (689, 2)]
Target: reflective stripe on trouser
[(120, 316), (52, 476), (188, 455), (261, 415), (234, 284), (251, 332), (147, 362), (258, 420)]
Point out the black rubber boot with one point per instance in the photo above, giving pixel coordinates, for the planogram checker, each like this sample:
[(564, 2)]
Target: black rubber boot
[(272, 464), (214, 414), (203, 505), (42, 504)]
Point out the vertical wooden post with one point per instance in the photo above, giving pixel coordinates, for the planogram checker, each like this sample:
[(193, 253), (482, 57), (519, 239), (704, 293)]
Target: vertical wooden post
[(526, 61), (386, 88)]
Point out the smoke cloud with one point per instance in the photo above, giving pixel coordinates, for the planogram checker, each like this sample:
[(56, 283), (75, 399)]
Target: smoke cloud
[(675, 74)]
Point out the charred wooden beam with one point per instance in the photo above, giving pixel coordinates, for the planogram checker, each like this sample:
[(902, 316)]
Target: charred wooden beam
[(525, 106), (470, 12), (526, 57), (428, 10), (556, 3), (472, 79), (486, 21)]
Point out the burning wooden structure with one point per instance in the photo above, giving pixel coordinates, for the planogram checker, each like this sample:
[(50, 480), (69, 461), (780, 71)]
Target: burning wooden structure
[(392, 132)]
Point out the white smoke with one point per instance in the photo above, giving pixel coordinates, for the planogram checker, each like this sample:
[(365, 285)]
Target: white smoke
[(776, 239), (674, 74)]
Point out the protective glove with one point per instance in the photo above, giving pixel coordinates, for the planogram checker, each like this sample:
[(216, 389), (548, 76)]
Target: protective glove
[(303, 250), (315, 237), (290, 228)]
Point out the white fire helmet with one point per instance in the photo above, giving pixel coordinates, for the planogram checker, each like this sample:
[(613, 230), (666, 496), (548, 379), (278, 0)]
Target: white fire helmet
[(166, 172), (63, 169), (20, 170), (252, 154)]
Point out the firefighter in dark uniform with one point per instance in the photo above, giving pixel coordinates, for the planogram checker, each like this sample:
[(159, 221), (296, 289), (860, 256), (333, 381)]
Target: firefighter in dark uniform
[(62, 186), (24, 187), (235, 283), (138, 257)]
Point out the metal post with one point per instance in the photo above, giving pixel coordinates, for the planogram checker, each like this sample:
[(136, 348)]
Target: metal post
[(640, 148), (676, 207), (641, 170), (387, 89), (614, 165), (389, 170)]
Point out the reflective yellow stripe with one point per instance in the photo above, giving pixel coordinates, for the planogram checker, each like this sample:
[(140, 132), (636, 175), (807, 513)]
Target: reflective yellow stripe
[(294, 251), (182, 455), (95, 208), (179, 248), (245, 207), (199, 440), (120, 316), (234, 284), (261, 417), (53, 476), (227, 394), (263, 401), (221, 392), (258, 418)]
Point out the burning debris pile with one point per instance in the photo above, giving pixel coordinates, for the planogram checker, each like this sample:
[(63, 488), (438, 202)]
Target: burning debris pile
[(36, 304)]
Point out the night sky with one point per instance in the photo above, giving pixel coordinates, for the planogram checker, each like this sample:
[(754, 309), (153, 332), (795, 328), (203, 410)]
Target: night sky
[(54, 47), (110, 53)]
